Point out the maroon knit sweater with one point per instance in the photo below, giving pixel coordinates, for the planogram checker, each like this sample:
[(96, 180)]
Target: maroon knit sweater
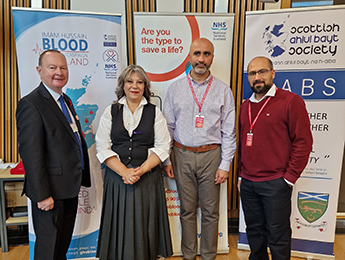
[(282, 139)]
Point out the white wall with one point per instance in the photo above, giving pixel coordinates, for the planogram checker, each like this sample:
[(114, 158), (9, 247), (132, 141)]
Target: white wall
[(169, 6), (273, 6), (104, 6), (36, 3)]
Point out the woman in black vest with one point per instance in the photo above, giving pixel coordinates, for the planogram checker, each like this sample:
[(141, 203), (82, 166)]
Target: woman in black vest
[(132, 139)]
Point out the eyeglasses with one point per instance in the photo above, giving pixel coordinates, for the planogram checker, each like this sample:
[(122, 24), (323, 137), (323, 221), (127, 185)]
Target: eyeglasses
[(261, 73)]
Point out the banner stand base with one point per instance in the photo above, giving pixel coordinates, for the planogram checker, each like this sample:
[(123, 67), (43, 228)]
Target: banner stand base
[(306, 255), (311, 256)]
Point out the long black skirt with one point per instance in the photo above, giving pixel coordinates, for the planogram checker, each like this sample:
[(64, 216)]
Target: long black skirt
[(134, 222)]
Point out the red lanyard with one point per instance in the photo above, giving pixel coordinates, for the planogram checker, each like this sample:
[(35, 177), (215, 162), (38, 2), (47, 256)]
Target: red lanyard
[(257, 116), (203, 98)]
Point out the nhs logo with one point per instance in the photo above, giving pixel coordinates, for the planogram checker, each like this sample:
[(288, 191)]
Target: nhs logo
[(219, 26)]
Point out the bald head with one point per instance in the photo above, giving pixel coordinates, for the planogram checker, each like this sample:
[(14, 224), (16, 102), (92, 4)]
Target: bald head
[(262, 60), (201, 58), (202, 41)]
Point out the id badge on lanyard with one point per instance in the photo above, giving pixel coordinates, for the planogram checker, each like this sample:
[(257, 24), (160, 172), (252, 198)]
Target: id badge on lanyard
[(249, 141), (199, 119)]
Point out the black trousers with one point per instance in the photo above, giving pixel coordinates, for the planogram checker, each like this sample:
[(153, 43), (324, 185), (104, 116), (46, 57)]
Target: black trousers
[(267, 209), (54, 229)]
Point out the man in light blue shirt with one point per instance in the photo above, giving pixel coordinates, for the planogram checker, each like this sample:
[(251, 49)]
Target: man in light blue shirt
[(200, 114)]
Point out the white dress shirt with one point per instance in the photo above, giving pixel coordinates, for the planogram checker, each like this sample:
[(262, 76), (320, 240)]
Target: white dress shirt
[(131, 122)]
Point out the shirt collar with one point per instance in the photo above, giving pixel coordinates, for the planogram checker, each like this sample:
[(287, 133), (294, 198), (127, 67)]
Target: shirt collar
[(123, 101), (54, 94), (270, 93), (202, 83)]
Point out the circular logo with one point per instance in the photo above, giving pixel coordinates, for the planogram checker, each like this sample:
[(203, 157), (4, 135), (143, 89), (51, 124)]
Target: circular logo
[(110, 55)]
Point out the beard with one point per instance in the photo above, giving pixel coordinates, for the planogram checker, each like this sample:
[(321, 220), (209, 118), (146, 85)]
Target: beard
[(258, 89), (199, 70)]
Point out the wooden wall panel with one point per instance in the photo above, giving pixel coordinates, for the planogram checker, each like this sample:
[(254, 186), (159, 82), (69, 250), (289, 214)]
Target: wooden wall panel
[(8, 81), (238, 7), (56, 4), (199, 6), (285, 4), (131, 7), (9, 85)]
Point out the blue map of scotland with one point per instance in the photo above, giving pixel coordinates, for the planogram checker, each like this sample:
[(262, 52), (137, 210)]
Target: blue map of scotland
[(85, 112), (274, 37)]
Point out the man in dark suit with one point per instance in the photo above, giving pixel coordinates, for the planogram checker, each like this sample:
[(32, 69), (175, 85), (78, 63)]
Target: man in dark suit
[(54, 155)]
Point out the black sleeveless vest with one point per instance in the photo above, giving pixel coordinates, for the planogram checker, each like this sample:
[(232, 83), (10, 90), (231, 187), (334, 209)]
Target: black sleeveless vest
[(132, 150)]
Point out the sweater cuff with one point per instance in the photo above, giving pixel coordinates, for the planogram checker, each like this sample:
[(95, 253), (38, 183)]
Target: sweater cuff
[(290, 178)]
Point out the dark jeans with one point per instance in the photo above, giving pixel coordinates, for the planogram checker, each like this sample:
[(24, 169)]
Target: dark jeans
[(267, 209)]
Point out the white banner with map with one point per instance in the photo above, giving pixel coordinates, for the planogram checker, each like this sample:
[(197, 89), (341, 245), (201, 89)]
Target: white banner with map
[(306, 47), (91, 43)]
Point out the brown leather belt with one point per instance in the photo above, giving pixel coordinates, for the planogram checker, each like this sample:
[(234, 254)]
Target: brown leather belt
[(199, 149)]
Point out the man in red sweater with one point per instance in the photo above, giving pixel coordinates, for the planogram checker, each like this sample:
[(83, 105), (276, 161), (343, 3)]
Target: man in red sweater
[(274, 146)]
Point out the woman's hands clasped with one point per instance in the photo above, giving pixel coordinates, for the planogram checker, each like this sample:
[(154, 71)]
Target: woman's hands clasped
[(131, 175)]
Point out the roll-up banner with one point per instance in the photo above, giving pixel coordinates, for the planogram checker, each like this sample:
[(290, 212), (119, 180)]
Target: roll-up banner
[(306, 47), (91, 43), (162, 47)]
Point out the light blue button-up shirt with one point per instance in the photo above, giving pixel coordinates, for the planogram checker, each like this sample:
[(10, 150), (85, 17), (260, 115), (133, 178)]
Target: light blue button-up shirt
[(218, 110)]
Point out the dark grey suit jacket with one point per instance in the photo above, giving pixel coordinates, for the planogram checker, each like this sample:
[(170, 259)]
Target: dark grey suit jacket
[(49, 148)]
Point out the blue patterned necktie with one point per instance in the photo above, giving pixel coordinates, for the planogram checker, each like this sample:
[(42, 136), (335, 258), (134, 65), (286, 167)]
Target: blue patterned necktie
[(69, 119)]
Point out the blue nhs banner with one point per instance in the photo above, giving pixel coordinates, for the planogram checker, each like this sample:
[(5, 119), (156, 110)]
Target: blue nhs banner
[(308, 84)]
